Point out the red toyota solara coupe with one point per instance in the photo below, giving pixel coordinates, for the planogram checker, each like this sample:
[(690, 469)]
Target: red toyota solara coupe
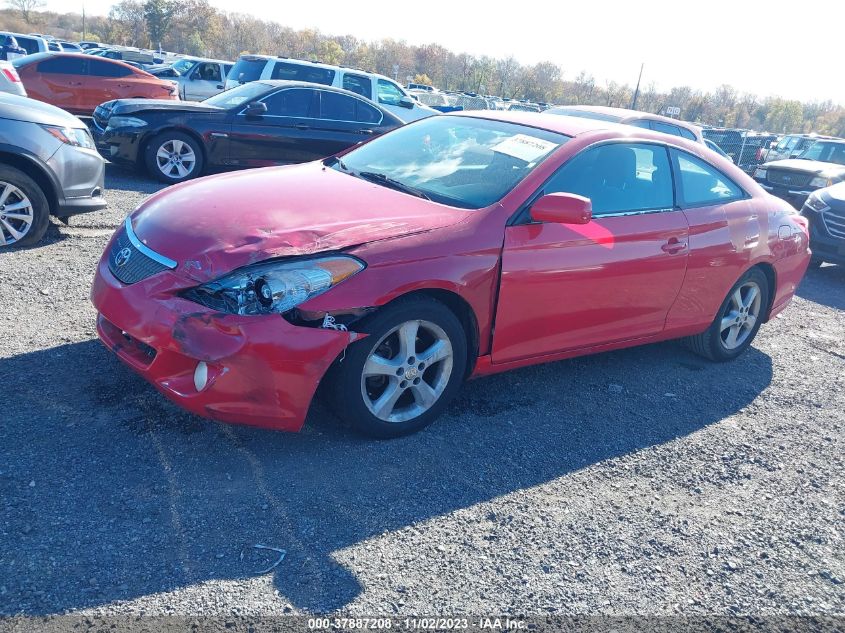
[(456, 246)]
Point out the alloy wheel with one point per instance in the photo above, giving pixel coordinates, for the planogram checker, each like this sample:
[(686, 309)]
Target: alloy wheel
[(176, 159), (407, 371), (16, 214), (740, 315)]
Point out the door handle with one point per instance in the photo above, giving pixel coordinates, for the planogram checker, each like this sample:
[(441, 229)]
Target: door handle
[(302, 126), (220, 86), (123, 86), (674, 245), (365, 131)]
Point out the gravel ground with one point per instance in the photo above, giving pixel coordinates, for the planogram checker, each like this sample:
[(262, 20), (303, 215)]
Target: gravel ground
[(646, 481)]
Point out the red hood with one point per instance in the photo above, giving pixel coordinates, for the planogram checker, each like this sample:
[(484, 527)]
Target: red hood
[(214, 225)]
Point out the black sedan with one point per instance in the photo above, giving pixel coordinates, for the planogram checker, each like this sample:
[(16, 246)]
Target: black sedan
[(257, 124)]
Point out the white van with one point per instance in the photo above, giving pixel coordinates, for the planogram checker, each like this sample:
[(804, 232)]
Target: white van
[(377, 88), (30, 43)]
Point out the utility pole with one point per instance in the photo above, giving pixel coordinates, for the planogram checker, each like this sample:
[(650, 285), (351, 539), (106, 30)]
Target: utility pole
[(637, 91), (83, 21)]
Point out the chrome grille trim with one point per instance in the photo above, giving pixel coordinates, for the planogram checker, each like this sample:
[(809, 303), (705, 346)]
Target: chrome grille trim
[(146, 250), (834, 222)]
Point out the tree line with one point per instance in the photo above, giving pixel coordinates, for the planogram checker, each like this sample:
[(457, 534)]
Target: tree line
[(195, 27)]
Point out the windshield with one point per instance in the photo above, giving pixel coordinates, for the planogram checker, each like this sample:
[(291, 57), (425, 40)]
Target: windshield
[(825, 152), (237, 96), (183, 66), (459, 161)]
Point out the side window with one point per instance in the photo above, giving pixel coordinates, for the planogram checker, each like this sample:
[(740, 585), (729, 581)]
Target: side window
[(618, 178), (336, 107), (389, 93), (97, 68), (365, 113), (360, 85), (208, 72), (687, 134), (666, 128), (301, 72), (699, 183), (296, 102), (643, 123), (63, 66)]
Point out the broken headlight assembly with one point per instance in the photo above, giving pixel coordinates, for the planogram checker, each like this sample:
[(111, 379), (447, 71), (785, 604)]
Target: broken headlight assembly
[(274, 287)]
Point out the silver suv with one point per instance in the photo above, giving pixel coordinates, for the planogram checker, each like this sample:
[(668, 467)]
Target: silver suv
[(48, 165)]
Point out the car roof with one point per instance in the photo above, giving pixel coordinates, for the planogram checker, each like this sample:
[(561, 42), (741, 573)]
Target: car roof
[(627, 114), (37, 57), (573, 126)]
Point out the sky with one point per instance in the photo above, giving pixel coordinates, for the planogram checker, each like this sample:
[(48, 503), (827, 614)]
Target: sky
[(776, 47)]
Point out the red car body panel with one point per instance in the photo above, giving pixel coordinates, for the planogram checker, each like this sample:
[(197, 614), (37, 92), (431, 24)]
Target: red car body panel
[(81, 94), (536, 292)]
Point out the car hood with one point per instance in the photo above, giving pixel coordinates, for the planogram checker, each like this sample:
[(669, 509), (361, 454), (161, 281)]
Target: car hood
[(836, 193), (19, 108), (807, 166), (213, 225), (131, 106)]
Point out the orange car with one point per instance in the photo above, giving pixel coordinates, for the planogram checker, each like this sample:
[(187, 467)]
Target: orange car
[(79, 83)]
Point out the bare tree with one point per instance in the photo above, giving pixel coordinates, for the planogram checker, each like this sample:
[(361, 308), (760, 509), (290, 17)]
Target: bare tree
[(25, 7)]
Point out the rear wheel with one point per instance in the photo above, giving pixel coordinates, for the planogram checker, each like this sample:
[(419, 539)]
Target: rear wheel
[(399, 379), (24, 212), (738, 320), (173, 157)]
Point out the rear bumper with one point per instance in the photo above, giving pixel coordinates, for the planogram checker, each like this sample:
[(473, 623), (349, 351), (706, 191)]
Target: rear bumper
[(261, 371)]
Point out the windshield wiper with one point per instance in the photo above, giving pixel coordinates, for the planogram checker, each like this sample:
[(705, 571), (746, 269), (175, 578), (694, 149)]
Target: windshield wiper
[(387, 181)]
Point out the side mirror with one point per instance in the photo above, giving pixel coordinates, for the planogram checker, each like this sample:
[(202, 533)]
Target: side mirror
[(406, 102), (256, 108), (562, 208)]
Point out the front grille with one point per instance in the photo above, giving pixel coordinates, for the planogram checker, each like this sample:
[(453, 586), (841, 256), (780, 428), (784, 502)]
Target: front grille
[(834, 222), (787, 178), (129, 264)]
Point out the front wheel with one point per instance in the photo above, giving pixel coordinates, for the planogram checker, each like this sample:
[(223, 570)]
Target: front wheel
[(173, 157), (399, 379), (24, 211), (738, 320)]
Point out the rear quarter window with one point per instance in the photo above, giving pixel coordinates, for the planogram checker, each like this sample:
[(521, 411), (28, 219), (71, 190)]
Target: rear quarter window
[(299, 72)]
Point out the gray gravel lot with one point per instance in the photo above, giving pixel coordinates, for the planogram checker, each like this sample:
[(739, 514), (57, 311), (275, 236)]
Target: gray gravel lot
[(646, 481)]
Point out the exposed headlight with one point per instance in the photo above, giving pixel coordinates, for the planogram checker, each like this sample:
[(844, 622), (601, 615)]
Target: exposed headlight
[(77, 137), (760, 173), (274, 287), (820, 181), (125, 121), (815, 202)]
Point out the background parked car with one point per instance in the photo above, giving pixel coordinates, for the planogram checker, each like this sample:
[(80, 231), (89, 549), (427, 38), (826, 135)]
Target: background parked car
[(134, 55), (48, 164), (255, 125), (30, 43), (79, 83), (199, 78), (10, 81), (717, 149), (820, 165), (632, 117), (89, 45), (9, 48), (377, 88), (791, 145), (825, 209), (745, 148), (59, 46)]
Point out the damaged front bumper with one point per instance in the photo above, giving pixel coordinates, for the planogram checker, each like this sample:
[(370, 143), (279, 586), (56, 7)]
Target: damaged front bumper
[(256, 370)]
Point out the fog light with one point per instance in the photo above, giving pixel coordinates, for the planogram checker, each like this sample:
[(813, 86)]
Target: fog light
[(201, 376)]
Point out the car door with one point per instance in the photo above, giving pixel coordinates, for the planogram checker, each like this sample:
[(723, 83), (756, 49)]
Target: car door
[(565, 287), (205, 80), (724, 232), (282, 135), (106, 81), (343, 121), (60, 82)]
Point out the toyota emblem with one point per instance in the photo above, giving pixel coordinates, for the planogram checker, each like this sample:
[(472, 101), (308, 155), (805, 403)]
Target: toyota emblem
[(122, 257)]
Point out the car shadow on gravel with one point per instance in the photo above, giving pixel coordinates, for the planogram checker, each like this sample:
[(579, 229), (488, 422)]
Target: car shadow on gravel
[(825, 285), (111, 493)]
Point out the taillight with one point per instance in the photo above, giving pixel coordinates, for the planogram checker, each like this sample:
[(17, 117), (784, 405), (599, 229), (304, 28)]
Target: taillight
[(759, 155), (11, 74)]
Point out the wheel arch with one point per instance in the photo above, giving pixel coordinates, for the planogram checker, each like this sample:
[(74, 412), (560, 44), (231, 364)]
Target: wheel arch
[(34, 170), (771, 277)]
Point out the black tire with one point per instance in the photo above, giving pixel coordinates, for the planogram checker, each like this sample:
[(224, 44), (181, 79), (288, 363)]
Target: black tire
[(161, 140), (345, 385), (38, 201), (710, 343)]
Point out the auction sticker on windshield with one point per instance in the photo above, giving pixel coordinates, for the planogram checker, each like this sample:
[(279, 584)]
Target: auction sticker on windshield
[(525, 147)]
